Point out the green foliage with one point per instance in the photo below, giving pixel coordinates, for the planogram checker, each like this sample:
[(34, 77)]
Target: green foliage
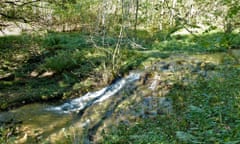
[(14, 42), (68, 41), (206, 112), (152, 131), (203, 43), (8, 133), (16, 50), (64, 60), (212, 113)]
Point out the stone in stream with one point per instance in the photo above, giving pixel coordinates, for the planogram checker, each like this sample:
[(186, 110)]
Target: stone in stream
[(155, 82), (165, 67), (208, 66)]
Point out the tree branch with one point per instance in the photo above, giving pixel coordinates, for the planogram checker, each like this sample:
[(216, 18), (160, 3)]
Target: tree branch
[(19, 3), (12, 17)]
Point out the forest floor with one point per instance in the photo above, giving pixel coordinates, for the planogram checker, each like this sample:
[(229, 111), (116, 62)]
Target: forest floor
[(198, 78)]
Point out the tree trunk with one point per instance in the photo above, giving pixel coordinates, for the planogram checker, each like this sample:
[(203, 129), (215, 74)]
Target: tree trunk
[(136, 19)]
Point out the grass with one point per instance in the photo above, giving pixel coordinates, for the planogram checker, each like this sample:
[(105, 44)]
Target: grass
[(70, 56), (209, 42), (205, 112)]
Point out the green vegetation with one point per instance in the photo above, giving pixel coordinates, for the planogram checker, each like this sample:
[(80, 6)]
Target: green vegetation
[(213, 42), (205, 112), (68, 56), (70, 47)]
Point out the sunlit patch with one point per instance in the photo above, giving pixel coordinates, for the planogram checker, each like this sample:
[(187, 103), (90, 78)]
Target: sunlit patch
[(47, 74)]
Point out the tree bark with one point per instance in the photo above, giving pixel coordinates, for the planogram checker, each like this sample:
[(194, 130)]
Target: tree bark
[(136, 18)]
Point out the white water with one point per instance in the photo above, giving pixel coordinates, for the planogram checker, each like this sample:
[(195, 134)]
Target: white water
[(155, 82), (91, 98)]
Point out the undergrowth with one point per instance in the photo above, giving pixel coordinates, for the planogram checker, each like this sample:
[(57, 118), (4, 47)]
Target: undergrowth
[(206, 112), (209, 42)]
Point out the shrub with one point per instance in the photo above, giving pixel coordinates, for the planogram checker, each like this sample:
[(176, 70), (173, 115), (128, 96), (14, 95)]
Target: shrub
[(63, 60)]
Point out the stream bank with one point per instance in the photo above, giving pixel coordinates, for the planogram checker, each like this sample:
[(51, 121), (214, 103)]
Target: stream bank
[(145, 98)]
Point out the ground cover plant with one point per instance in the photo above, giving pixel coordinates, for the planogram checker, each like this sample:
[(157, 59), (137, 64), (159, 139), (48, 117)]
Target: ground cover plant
[(185, 55), (58, 66), (206, 112)]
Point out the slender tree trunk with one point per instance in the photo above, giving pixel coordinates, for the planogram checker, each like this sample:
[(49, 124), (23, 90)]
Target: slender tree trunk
[(116, 51), (161, 15), (103, 26), (174, 2), (136, 18)]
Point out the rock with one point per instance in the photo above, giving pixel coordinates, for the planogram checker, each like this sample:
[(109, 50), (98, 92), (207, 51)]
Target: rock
[(195, 69), (151, 113), (145, 92), (181, 62), (47, 74), (165, 106), (22, 140), (165, 67), (209, 66), (145, 77), (147, 102), (34, 74), (4, 67), (154, 84), (7, 77)]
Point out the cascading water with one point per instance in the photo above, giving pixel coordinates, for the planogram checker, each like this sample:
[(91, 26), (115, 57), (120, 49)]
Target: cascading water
[(129, 102), (91, 98)]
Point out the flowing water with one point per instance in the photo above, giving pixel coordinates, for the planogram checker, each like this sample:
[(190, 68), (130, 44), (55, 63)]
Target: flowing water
[(41, 120), (137, 95), (79, 104)]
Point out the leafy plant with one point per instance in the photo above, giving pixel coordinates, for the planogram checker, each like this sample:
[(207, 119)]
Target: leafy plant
[(206, 112), (63, 60)]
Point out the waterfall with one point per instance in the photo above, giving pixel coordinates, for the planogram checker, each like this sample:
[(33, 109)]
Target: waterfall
[(81, 103)]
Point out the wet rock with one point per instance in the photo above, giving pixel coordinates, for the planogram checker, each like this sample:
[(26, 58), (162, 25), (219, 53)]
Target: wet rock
[(124, 122), (145, 77), (195, 69), (147, 102), (67, 106), (181, 62), (150, 113), (86, 123), (165, 67), (155, 82), (147, 107), (165, 106), (202, 73), (208, 66)]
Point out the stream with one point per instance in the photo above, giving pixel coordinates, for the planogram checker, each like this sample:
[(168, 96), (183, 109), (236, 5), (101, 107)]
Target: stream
[(138, 95), (80, 104), (41, 120)]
